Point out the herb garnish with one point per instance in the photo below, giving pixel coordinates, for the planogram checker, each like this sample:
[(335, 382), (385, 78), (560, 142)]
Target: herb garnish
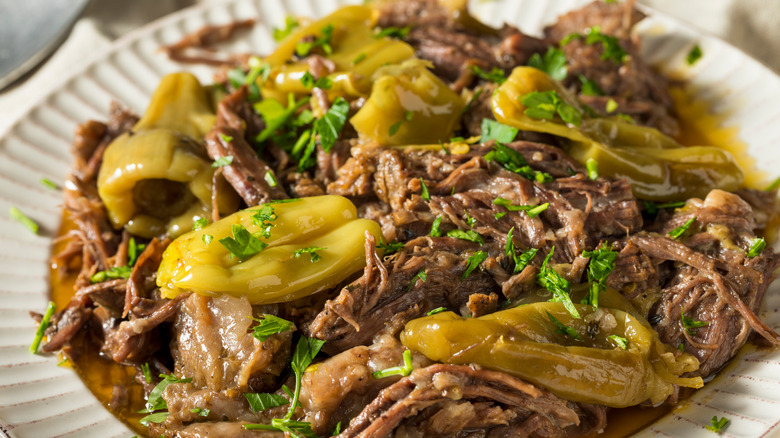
[(522, 260), (358, 58), (330, 125), (493, 130), (201, 412), (531, 210), (337, 429), (612, 49), (277, 116), (290, 23), (690, 324), (207, 238), (564, 329), (393, 32), (551, 280), (592, 167), (261, 402), (199, 223), (602, 263), (473, 262), (403, 370), (223, 161), (611, 106), (113, 272), (45, 321), (50, 184), (257, 69), (756, 246), (682, 229), (469, 235), (553, 63), (546, 104), (311, 250), (619, 340), (155, 401), (304, 48), (694, 55), (421, 275), (718, 425), (270, 325), (133, 251), (775, 184), (436, 310), (264, 218), (435, 228), (28, 223), (309, 82), (652, 207), (513, 161), (146, 372), (243, 244), (390, 247), (270, 178), (589, 87), (424, 193), (495, 75), (225, 138)]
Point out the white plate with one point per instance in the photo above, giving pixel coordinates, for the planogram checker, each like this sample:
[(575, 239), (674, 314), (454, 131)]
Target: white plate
[(39, 399)]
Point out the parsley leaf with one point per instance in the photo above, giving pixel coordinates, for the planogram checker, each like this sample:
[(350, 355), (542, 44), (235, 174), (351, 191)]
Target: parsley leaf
[(155, 401), (756, 246), (612, 49), (146, 372), (133, 251), (694, 55), (470, 235), (424, 193), (157, 417), (199, 223), (50, 184), (394, 128), (495, 75), (513, 161), (270, 325), (263, 401), (652, 207), (223, 161), (304, 47), (403, 370), (305, 352), (690, 324), (544, 105), (264, 217), (201, 412), (592, 167), (330, 125), (391, 247), (590, 88), (553, 63), (358, 58), (473, 262), (113, 272), (207, 238), (308, 81), (775, 184), (436, 310), (493, 130), (243, 244), (602, 263), (435, 228), (531, 210), (682, 229), (549, 279), (225, 138), (290, 23), (42, 327), (311, 250), (611, 106), (393, 32), (718, 425), (275, 115), (421, 275), (564, 329), (521, 260), (619, 340), (270, 179), (20, 217)]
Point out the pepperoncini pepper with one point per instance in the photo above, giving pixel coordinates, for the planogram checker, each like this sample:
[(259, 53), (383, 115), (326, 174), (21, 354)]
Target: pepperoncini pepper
[(657, 167), (525, 342), (157, 178), (324, 232)]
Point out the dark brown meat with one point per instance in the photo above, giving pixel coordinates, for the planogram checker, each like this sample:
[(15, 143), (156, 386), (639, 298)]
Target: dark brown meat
[(197, 47), (247, 171), (518, 408)]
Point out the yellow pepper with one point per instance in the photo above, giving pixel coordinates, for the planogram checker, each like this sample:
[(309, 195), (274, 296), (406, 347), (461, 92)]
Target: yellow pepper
[(657, 167), (274, 274), (155, 179), (525, 342)]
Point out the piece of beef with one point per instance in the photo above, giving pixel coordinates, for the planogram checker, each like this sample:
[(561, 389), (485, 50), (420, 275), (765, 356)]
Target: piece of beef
[(246, 173), (450, 400)]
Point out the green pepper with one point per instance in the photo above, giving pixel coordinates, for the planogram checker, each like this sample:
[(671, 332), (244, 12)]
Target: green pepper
[(197, 263), (408, 105), (157, 178), (658, 168), (525, 342)]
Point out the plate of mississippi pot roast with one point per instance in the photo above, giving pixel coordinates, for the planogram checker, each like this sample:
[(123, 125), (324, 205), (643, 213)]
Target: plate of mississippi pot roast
[(395, 218)]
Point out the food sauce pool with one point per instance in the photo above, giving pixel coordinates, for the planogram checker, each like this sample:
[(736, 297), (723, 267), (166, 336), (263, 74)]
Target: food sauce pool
[(698, 127)]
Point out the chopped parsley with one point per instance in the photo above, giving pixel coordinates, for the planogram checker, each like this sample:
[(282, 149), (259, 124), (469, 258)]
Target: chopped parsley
[(592, 167), (113, 272), (403, 370), (553, 63), (225, 138), (133, 251), (611, 106), (157, 417), (474, 97), (422, 276), (493, 130), (682, 229), (435, 228), (243, 244), (589, 87), (564, 329), (756, 246), (270, 178), (521, 260), (201, 412), (263, 401), (546, 104), (270, 325), (394, 128), (155, 401), (652, 207), (311, 250), (28, 223), (390, 247), (146, 372), (775, 184), (513, 161), (277, 116), (290, 24), (330, 125), (358, 58), (718, 425), (207, 238), (495, 75), (337, 429), (473, 262), (264, 217), (45, 321), (551, 280), (424, 193), (393, 32), (612, 49), (470, 220), (619, 341), (531, 210), (257, 69), (304, 48), (470, 235), (308, 81), (227, 160), (690, 324), (436, 310), (602, 263), (694, 55), (50, 184), (199, 223)]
